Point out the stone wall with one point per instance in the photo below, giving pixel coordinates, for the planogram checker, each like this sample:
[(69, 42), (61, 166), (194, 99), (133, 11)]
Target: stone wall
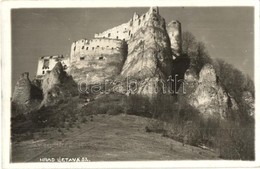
[(87, 49), (93, 61), (126, 30)]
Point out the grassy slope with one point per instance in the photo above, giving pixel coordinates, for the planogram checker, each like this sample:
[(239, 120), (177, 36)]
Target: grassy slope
[(107, 138)]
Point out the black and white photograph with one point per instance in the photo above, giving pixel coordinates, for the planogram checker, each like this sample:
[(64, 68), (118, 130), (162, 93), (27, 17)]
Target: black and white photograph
[(130, 83)]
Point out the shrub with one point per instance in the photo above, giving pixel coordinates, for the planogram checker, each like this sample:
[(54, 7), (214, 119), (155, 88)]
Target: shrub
[(235, 141), (138, 105), (235, 83)]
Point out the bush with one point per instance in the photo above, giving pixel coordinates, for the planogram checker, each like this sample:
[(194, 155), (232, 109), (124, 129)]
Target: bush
[(235, 83), (236, 142), (138, 105)]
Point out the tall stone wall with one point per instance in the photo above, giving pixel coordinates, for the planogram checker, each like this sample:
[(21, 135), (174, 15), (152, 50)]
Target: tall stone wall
[(93, 61), (86, 49)]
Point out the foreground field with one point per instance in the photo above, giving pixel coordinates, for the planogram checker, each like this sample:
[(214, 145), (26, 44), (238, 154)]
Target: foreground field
[(106, 138)]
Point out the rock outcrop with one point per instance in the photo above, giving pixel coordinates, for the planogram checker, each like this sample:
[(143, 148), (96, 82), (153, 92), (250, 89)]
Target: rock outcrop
[(149, 56), (57, 86), (249, 101), (26, 96), (208, 96), (22, 90)]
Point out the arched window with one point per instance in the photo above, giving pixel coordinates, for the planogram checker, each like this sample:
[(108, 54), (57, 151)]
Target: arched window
[(92, 48), (86, 48), (43, 72), (139, 21), (109, 35), (74, 48), (116, 37), (83, 47)]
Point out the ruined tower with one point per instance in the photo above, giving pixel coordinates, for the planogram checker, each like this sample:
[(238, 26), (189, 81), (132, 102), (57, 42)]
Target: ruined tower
[(175, 35), (46, 63)]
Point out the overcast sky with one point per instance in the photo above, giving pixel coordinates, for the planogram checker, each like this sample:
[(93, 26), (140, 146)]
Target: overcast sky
[(228, 32)]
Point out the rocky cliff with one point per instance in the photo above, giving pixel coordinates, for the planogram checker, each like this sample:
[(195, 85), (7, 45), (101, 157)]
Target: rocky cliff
[(22, 90), (26, 96), (149, 56), (249, 103), (57, 86), (207, 95)]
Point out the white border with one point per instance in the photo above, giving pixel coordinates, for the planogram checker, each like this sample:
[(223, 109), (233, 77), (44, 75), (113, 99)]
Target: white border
[(6, 80)]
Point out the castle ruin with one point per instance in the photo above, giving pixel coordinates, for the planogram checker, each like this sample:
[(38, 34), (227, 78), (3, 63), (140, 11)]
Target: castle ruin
[(110, 48), (47, 63)]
